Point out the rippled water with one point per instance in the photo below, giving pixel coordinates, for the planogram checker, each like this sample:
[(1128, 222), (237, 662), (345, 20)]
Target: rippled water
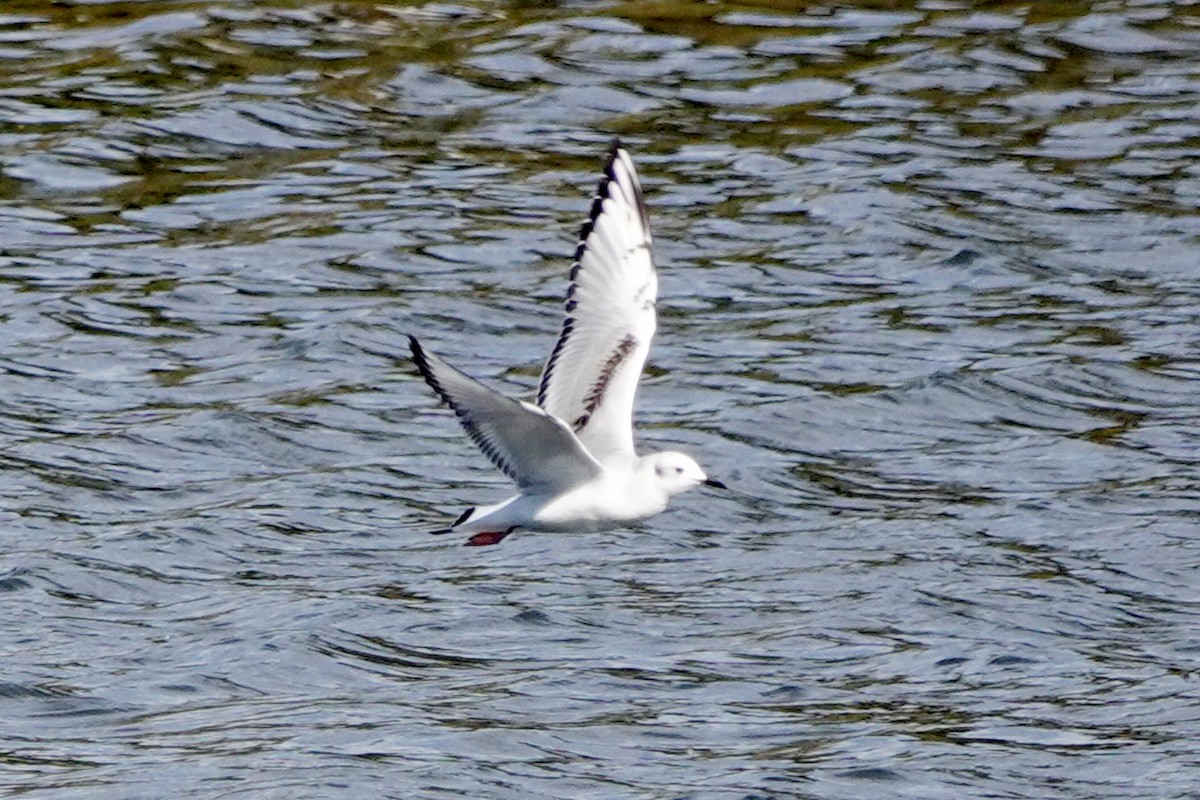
[(929, 305)]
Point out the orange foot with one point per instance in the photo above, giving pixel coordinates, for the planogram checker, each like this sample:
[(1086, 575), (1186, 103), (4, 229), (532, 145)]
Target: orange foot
[(487, 537)]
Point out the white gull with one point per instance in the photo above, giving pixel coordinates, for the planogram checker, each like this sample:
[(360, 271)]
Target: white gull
[(572, 455)]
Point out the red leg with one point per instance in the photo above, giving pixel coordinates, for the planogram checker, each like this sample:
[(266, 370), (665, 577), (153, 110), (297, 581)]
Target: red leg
[(487, 537)]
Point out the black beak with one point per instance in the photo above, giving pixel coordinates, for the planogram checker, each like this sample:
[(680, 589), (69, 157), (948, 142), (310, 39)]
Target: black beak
[(716, 484)]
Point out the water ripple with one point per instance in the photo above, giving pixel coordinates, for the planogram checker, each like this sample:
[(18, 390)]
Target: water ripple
[(928, 307)]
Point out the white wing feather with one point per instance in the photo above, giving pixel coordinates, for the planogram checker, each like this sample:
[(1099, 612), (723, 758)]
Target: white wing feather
[(591, 377)]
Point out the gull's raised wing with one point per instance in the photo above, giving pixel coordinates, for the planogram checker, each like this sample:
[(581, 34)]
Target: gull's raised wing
[(592, 375), (527, 444)]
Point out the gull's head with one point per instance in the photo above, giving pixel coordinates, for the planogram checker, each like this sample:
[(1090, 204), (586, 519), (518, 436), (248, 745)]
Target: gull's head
[(677, 473)]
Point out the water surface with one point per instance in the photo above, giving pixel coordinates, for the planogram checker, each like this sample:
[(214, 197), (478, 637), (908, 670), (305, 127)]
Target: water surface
[(929, 305)]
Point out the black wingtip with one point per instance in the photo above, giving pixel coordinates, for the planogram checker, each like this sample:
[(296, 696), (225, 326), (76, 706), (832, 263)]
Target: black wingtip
[(614, 148), (461, 519), (418, 357), (422, 362)]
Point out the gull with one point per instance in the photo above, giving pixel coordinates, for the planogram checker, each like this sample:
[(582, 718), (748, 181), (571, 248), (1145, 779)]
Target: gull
[(571, 454)]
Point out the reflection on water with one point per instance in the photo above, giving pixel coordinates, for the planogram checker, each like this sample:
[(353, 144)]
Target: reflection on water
[(929, 306)]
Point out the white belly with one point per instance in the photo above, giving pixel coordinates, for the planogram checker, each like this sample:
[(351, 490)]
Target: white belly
[(598, 507)]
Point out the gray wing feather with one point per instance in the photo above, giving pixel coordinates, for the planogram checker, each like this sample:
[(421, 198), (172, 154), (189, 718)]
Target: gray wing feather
[(529, 445)]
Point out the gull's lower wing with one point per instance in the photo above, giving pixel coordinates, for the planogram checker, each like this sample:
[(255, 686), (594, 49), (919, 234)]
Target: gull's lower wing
[(591, 378), (523, 441)]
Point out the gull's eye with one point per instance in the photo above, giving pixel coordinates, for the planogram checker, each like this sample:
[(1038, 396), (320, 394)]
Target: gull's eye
[(679, 470)]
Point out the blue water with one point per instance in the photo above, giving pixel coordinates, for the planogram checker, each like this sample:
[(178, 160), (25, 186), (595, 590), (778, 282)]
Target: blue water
[(929, 305)]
